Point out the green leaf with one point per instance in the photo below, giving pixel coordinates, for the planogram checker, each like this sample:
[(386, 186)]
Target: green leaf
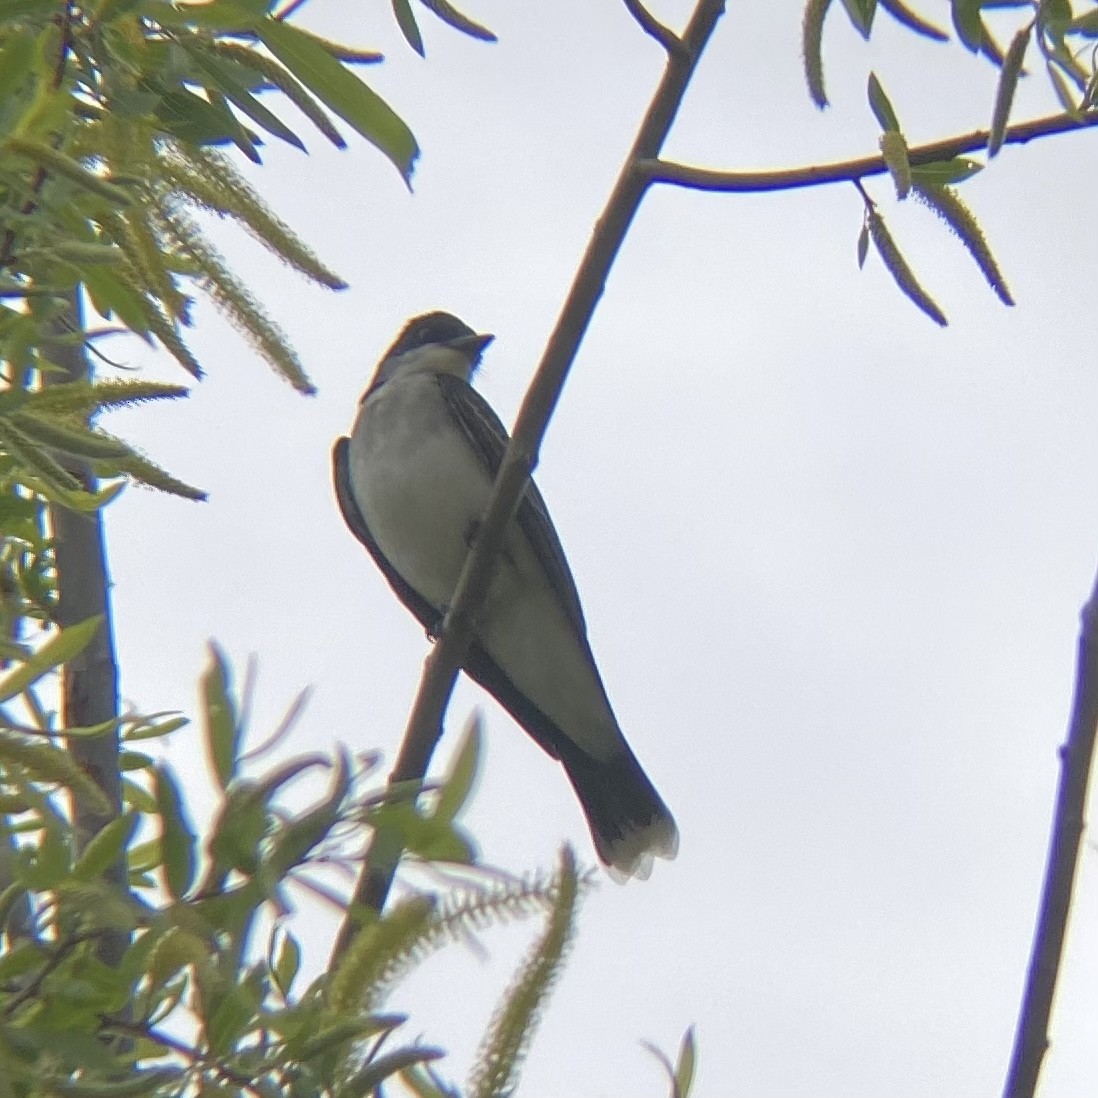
[(812, 25), (137, 1085), (17, 512), (50, 862), (861, 14), (463, 772), (85, 502), (13, 899), (342, 91), (152, 727), (285, 968), (1063, 91), (969, 26), (294, 841), (243, 138), (1053, 18), (110, 10), (70, 169), (233, 1015), (228, 77), (138, 798), (913, 20), (81, 251), (239, 830), (194, 119), (881, 106), (32, 462), (14, 10), (1008, 83), (368, 1080), (105, 849), (177, 836), (863, 245), (112, 295), (16, 62), (316, 1042), (424, 1083), (402, 9), (219, 15), (58, 650), (944, 173), (1085, 24), (460, 22), (687, 1062), (222, 729)]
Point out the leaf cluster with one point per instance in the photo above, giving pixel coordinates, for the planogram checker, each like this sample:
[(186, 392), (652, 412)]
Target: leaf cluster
[(1061, 37), (208, 995), (111, 118)]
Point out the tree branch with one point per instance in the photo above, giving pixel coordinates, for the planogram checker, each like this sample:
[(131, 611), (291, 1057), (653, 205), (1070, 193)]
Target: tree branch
[(788, 179), (444, 661), (653, 27), (90, 679), (1076, 757)]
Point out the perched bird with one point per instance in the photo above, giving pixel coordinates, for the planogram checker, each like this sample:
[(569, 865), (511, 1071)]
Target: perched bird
[(412, 482)]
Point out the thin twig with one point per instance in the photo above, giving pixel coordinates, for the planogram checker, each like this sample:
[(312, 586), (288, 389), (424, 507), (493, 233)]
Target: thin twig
[(444, 661), (788, 179), (1076, 759), (197, 1059), (53, 958), (666, 37)]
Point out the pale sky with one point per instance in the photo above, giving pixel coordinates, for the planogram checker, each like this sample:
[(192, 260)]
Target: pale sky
[(831, 556)]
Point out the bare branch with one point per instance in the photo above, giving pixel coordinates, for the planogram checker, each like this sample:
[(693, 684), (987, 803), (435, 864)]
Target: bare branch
[(653, 27), (708, 179), (1076, 759)]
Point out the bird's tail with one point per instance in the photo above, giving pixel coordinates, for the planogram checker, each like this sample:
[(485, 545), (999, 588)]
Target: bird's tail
[(628, 820)]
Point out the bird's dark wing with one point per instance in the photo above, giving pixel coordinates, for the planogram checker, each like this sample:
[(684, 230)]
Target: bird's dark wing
[(488, 437), (426, 614)]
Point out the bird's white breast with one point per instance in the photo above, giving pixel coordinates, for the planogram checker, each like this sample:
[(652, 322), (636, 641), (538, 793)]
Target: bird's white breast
[(422, 489), (417, 483)]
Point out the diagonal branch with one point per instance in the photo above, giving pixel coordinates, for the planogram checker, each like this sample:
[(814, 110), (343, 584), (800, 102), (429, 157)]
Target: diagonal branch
[(1076, 759), (444, 661), (788, 179)]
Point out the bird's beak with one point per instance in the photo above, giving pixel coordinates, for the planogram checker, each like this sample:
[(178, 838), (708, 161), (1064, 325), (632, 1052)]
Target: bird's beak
[(472, 345)]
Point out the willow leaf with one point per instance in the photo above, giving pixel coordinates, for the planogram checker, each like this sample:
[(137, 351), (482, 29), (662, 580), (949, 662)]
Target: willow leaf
[(812, 25), (458, 20), (913, 20), (1008, 84), (342, 91), (60, 648), (406, 21)]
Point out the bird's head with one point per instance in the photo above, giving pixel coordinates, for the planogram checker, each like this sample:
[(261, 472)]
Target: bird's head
[(433, 343)]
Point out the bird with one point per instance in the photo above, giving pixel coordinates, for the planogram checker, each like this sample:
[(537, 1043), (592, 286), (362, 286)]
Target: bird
[(412, 481)]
